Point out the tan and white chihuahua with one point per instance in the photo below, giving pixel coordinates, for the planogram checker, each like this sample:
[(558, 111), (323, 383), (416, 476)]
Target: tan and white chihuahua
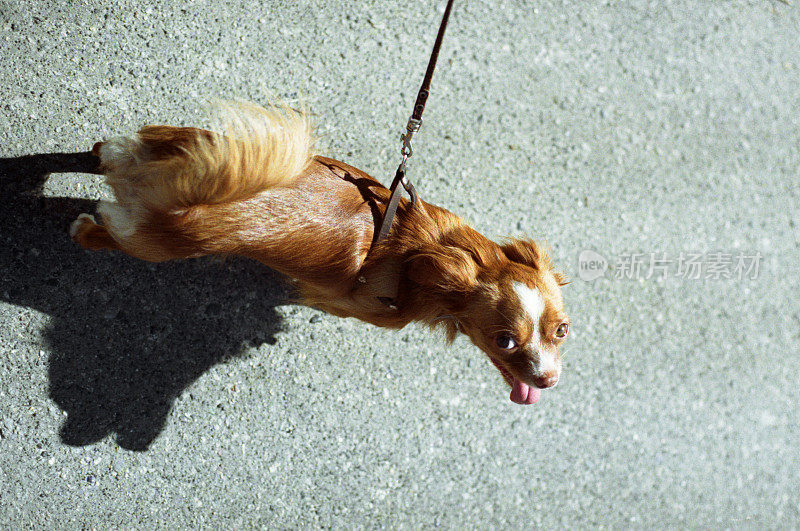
[(257, 189)]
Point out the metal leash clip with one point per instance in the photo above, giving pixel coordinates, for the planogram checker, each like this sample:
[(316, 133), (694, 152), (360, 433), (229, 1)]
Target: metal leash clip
[(412, 127), (407, 149)]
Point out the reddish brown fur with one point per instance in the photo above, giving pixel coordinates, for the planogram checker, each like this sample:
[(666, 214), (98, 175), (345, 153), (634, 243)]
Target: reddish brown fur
[(318, 230)]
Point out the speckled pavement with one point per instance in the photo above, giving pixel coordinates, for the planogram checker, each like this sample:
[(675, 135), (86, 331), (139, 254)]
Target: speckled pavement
[(656, 141)]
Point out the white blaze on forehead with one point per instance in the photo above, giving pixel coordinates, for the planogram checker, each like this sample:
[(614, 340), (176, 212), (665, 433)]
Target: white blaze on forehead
[(533, 303)]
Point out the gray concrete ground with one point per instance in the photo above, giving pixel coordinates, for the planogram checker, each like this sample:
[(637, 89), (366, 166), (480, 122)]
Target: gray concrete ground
[(196, 394)]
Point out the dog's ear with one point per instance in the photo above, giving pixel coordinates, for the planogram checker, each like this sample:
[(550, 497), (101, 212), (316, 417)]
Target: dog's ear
[(537, 256), (447, 269), (528, 252)]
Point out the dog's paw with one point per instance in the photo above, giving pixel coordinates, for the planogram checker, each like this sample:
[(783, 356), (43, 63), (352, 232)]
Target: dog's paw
[(76, 225)]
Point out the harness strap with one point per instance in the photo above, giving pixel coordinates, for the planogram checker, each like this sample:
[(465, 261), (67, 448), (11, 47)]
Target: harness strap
[(394, 201)]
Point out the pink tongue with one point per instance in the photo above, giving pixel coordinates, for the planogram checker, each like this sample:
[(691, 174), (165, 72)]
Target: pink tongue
[(522, 393)]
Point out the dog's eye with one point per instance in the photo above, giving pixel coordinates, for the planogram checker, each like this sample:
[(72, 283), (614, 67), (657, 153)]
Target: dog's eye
[(505, 342), (562, 330)]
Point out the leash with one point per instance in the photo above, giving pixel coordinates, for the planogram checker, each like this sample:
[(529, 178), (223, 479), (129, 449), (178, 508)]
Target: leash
[(413, 125)]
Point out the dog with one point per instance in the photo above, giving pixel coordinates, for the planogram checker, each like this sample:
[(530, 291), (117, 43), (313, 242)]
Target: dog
[(257, 189)]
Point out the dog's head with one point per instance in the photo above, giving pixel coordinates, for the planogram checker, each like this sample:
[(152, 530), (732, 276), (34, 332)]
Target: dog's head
[(507, 299)]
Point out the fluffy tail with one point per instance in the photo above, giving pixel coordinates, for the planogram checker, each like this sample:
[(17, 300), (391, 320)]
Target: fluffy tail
[(168, 168)]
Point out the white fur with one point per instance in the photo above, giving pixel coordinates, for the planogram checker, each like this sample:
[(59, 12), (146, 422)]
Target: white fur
[(533, 302), (120, 221), (547, 362), (119, 151), (73, 228)]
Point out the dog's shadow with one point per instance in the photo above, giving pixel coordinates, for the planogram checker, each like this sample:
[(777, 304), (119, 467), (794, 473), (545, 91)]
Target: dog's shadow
[(125, 337)]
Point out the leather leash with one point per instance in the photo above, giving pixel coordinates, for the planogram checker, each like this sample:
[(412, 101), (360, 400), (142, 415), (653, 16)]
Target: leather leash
[(414, 123)]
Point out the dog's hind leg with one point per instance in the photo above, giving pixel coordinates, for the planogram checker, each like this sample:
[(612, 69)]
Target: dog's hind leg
[(90, 235)]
